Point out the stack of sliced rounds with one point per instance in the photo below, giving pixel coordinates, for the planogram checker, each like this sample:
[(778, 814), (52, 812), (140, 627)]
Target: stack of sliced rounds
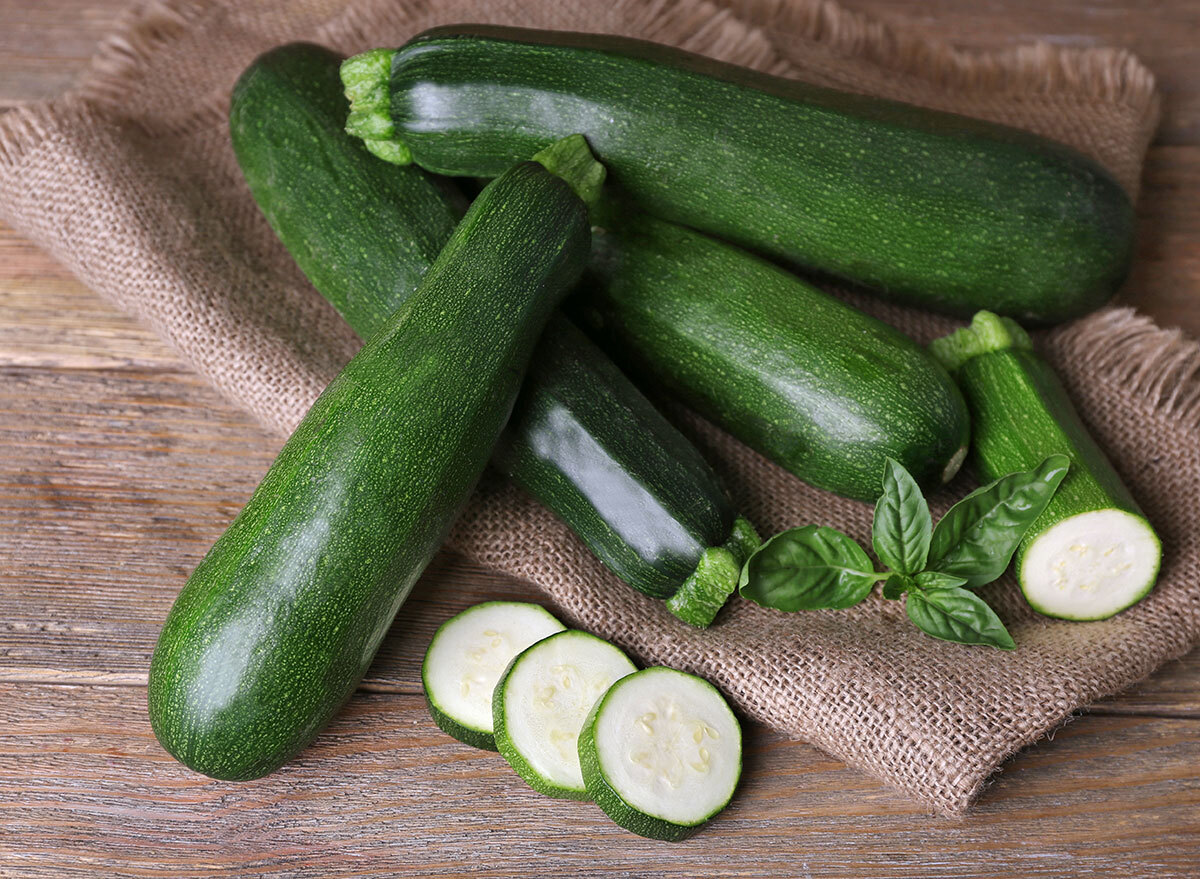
[(468, 654), (658, 750), (661, 753), (541, 701)]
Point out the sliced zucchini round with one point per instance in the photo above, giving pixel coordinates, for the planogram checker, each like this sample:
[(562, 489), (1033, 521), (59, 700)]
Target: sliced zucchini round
[(466, 657), (1090, 566), (661, 753), (540, 703)]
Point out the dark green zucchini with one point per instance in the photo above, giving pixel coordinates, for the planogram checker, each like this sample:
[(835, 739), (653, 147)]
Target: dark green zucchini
[(939, 210), (279, 622), (587, 442), (582, 440), (817, 386), (285, 121)]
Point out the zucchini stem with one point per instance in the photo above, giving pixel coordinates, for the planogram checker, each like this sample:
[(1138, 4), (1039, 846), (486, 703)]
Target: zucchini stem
[(367, 81), (987, 333), (572, 160), (705, 592)]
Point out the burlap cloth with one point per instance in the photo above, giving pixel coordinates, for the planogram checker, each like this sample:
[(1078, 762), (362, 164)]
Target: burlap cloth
[(130, 182)]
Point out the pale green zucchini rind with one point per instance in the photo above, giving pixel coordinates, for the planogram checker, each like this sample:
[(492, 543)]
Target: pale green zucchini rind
[(466, 657), (1092, 553), (661, 753), (541, 701), (705, 592)]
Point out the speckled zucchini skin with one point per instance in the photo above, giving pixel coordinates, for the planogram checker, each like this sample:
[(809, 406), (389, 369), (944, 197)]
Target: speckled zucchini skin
[(279, 622), (939, 210), (582, 440), (817, 386)]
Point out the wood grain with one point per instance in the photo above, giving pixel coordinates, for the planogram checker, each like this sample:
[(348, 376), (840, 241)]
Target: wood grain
[(85, 791), (119, 467)]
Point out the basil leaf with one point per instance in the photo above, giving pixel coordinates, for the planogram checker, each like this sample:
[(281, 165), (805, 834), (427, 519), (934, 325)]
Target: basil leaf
[(808, 568), (957, 615), (938, 580), (902, 523), (976, 539), (897, 585)]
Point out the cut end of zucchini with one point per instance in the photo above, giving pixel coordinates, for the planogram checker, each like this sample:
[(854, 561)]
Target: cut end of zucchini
[(988, 332), (1090, 566), (572, 160), (366, 79), (954, 464), (541, 702), (661, 753), (466, 657)]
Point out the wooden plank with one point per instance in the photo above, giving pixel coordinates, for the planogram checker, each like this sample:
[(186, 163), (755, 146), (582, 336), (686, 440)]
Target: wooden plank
[(1164, 35), (117, 484), (85, 791), (44, 46)]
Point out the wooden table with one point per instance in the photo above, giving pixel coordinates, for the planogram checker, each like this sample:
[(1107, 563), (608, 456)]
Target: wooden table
[(119, 467)]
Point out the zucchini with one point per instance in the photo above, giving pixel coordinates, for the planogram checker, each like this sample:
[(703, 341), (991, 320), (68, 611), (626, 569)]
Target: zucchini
[(820, 388), (466, 657), (285, 122), (589, 445), (661, 753), (278, 623), (939, 210), (1091, 553), (582, 440), (541, 701)]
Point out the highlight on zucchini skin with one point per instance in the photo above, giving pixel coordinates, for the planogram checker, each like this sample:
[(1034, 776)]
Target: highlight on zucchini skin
[(279, 622), (582, 440), (1092, 553), (587, 443), (934, 209)]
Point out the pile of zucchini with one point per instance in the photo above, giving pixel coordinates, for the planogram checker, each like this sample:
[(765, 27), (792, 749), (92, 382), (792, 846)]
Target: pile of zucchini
[(718, 180)]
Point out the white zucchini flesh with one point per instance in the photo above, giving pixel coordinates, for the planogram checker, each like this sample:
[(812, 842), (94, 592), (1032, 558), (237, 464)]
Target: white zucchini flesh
[(542, 701), (669, 748), (468, 654), (1090, 566)]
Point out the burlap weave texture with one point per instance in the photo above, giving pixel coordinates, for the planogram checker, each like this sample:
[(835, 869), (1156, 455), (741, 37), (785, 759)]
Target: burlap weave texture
[(130, 182)]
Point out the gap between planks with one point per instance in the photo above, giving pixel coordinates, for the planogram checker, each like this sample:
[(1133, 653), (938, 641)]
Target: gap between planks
[(55, 678)]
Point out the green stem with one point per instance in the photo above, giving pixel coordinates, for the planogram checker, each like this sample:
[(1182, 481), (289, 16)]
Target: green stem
[(367, 81), (572, 160), (705, 592), (988, 332)]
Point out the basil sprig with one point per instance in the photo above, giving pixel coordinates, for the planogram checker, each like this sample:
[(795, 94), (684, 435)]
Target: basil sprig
[(933, 569)]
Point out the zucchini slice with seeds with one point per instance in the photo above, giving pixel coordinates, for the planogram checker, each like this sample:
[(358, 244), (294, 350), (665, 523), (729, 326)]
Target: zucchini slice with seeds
[(466, 657), (661, 753), (541, 701)]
